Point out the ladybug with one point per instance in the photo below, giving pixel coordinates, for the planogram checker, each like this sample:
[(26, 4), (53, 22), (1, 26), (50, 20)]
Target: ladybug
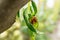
[(33, 20)]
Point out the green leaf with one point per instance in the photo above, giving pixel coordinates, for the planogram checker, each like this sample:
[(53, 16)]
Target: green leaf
[(18, 14), (31, 9), (30, 26), (34, 7), (29, 16)]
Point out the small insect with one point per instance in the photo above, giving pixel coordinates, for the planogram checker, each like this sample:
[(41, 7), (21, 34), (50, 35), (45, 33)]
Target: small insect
[(33, 20)]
